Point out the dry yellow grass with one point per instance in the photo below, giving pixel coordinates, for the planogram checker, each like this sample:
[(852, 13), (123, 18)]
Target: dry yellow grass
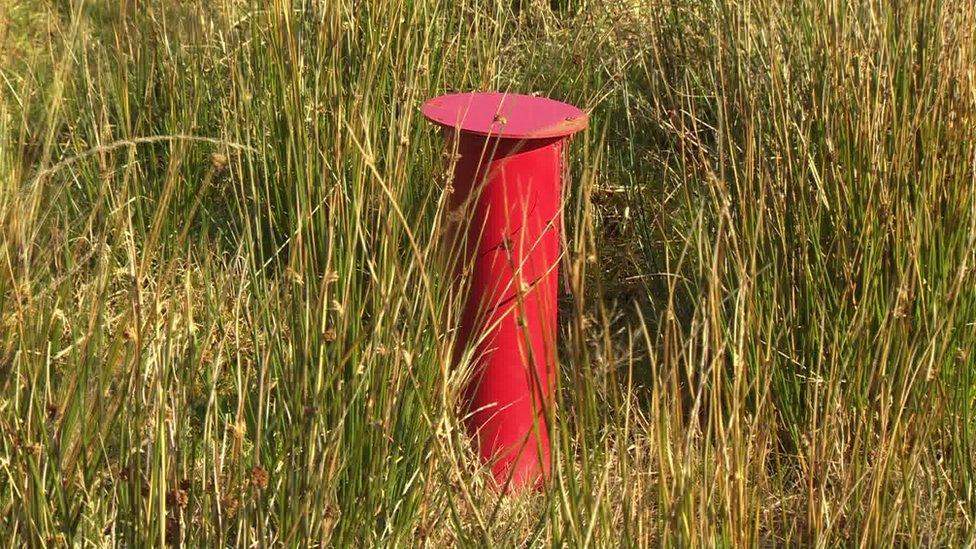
[(221, 321)]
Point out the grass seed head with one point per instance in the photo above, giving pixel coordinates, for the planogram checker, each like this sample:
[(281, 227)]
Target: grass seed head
[(259, 478)]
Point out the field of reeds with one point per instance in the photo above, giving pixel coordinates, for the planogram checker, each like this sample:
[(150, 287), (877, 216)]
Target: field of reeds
[(222, 321)]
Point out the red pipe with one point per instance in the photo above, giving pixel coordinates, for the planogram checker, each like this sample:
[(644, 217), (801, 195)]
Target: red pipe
[(506, 224)]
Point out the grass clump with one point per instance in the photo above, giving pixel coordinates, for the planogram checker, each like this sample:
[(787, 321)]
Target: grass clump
[(222, 320)]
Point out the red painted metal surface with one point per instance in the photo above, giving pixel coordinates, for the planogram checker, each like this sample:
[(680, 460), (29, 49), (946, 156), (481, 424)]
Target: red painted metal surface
[(506, 224)]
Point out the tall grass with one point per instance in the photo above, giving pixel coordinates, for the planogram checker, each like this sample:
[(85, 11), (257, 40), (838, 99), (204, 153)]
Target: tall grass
[(222, 319)]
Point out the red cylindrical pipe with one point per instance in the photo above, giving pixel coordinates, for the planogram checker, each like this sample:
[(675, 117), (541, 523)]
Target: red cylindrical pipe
[(506, 207)]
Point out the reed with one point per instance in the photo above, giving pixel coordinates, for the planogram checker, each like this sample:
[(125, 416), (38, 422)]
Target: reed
[(222, 319)]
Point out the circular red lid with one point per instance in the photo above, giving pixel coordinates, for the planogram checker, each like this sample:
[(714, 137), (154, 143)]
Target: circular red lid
[(506, 115)]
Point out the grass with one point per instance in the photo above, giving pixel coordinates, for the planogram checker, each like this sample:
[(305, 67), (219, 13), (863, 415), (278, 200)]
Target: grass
[(222, 323)]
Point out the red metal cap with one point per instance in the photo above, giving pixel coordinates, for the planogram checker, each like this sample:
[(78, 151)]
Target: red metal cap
[(505, 115)]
